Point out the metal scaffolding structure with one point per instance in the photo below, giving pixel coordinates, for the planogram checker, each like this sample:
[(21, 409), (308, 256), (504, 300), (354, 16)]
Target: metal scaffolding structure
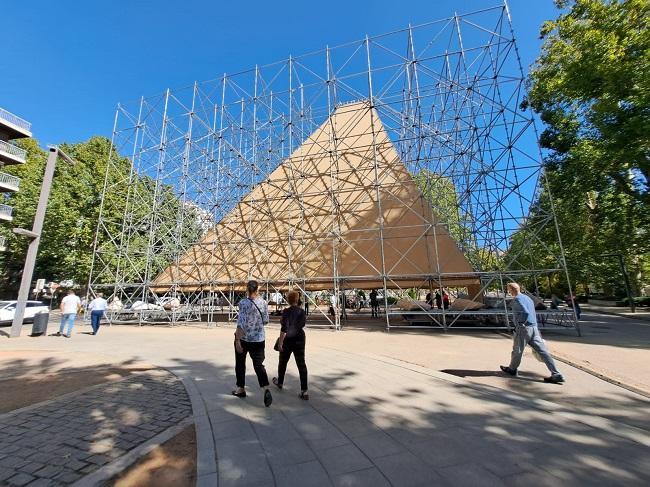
[(263, 174)]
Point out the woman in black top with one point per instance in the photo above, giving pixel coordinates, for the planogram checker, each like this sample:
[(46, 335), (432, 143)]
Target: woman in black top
[(292, 340)]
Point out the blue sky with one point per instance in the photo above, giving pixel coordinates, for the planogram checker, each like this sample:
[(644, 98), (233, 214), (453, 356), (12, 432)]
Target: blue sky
[(66, 64)]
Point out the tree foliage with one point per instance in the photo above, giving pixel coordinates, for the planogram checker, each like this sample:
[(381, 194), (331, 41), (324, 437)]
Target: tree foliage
[(591, 88), (440, 192)]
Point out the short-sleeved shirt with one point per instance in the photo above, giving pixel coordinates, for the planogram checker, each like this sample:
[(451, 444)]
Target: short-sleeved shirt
[(98, 304), (293, 321), (70, 304), (523, 310), (252, 321)]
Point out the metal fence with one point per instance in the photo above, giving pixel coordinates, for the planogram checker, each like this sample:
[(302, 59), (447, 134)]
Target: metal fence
[(12, 149), (15, 120), (9, 179), (5, 211)]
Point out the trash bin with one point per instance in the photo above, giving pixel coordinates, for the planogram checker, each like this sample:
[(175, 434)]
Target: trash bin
[(40, 324)]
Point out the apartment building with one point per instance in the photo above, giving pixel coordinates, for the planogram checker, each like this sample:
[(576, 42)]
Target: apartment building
[(12, 127)]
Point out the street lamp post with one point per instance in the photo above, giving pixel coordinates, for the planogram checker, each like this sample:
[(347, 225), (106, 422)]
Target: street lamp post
[(627, 280), (35, 235)]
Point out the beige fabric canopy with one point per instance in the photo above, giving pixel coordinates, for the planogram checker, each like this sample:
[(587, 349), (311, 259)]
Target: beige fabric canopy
[(342, 206)]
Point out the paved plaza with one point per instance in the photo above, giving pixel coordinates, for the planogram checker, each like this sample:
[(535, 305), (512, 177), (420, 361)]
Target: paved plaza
[(405, 408)]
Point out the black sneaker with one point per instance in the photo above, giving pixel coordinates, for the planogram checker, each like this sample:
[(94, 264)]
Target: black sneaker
[(508, 370), (268, 398), (554, 379)]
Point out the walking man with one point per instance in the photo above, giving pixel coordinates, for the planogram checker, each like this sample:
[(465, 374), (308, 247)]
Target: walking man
[(527, 333), (70, 306), (97, 308)]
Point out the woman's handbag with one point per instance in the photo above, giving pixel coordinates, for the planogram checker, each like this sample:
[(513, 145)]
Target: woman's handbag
[(276, 347)]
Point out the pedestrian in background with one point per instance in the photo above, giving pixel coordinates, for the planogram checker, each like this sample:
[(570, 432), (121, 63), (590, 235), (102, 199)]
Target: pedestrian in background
[(374, 304), (70, 306), (97, 307), (527, 333), (292, 341)]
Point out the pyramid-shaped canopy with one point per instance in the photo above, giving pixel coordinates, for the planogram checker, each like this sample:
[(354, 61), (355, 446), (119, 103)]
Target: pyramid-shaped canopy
[(342, 206)]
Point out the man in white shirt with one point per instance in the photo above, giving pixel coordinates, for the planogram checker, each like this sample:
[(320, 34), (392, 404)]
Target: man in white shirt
[(70, 306), (97, 307)]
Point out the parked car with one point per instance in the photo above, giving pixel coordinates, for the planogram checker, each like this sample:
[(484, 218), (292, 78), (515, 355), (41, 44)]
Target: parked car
[(8, 308)]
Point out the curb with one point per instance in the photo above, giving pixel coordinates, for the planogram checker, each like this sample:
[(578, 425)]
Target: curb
[(206, 463), (601, 375)]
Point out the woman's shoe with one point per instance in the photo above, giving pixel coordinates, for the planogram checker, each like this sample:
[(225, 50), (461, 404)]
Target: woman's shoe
[(238, 394), (304, 395), (276, 383), (268, 398)]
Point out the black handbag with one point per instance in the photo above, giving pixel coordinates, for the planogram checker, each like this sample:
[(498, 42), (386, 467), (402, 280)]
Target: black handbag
[(276, 347)]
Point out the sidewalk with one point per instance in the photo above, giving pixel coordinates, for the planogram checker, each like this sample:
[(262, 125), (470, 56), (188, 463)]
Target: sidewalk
[(383, 413), (641, 313)]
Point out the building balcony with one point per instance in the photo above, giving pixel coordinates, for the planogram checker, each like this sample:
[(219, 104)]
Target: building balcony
[(3, 247), (5, 213), (8, 183), (11, 154), (13, 127)]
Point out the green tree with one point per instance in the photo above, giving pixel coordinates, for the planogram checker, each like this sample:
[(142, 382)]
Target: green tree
[(440, 191), (591, 88)]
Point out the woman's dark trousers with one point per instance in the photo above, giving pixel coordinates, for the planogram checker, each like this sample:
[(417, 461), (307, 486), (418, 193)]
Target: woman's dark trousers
[(256, 351), (297, 347)]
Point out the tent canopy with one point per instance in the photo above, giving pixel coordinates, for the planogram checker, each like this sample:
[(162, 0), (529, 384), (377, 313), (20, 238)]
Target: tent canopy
[(342, 207)]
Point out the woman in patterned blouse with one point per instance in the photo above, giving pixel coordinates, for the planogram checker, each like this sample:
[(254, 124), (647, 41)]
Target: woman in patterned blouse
[(249, 339)]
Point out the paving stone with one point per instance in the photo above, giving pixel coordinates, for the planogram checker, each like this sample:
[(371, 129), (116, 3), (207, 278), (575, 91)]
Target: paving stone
[(13, 462), (89, 468), (406, 470), (6, 472), (49, 471), (378, 444), (370, 477), (68, 476), (98, 459), (43, 483), (20, 479), (289, 453), (343, 459), (31, 467), (470, 474), (74, 464), (309, 474)]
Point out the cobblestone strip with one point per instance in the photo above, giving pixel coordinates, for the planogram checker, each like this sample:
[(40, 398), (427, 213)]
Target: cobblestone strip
[(109, 471), (67, 438)]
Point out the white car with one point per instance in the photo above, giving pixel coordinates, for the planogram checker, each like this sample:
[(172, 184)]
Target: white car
[(8, 308)]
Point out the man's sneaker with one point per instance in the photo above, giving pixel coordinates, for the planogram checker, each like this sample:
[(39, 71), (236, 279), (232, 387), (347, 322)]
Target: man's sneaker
[(554, 379), (57, 334), (508, 370)]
